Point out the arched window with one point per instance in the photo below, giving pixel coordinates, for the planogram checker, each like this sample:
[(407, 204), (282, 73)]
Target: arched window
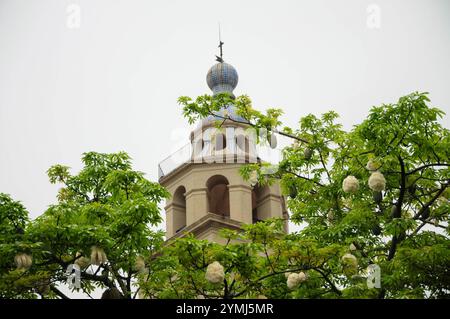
[(179, 209), (198, 148), (243, 143), (220, 142), (218, 195)]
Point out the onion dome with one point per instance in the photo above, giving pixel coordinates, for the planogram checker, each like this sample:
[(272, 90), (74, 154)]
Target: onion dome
[(222, 77)]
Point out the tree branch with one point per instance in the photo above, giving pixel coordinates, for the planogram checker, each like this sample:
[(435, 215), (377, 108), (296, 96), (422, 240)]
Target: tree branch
[(333, 287), (431, 201), (58, 292), (103, 279), (305, 178), (425, 166), (398, 211)]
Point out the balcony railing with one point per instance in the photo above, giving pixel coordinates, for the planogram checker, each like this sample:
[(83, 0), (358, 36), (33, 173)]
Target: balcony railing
[(176, 159), (230, 154)]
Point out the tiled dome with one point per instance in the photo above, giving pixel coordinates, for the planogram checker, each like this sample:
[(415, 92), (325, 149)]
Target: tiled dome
[(222, 77)]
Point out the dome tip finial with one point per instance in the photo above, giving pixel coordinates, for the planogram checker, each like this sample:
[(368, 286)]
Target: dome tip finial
[(221, 43), (222, 77)]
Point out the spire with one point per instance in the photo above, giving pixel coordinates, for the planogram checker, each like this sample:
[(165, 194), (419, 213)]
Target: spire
[(222, 77), (220, 58)]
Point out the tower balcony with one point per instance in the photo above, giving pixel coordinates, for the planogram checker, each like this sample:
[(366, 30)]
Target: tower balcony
[(192, 153)]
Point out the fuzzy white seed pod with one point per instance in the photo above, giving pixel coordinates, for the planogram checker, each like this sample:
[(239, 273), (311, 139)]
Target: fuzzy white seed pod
[(215, 273), (286, 274), (81, 261), (372, 166), (350, 184), (23, 261), (302, 276), (98, 256), (261, 297), (139, 264), (352, 247), (377, 182), (349, 258), (294, 280), (253, 178), (349, 264)]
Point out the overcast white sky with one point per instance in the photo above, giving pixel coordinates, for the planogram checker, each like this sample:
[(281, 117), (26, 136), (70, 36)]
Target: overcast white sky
[(112, 83)]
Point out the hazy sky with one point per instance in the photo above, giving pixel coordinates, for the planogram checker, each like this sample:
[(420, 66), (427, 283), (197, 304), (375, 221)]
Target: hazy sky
[(112, 83)]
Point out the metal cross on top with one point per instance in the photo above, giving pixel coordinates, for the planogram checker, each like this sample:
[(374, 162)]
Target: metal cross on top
[(220, 58)]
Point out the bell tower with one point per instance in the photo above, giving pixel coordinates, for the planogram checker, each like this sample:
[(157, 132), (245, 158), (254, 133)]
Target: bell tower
[(208, 193)]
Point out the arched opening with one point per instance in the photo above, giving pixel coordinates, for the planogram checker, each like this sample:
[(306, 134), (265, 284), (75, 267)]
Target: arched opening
[(218, 195), (243, 143), (260, 204), (220, 142), (198, 147), (254, 207), (179, 209)]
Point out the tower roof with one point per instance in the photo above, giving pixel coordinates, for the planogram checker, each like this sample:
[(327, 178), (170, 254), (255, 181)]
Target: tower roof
[(222, 77)]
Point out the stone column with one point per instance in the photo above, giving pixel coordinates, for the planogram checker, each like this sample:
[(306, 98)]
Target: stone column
[(241, 203), (196, 205), (270, 206), (175, 218), (170, 231)]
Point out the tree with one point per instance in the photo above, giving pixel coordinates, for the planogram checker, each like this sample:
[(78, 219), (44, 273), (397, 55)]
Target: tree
[(259, 262), (13, 220), (378, 194), (102, 224)]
